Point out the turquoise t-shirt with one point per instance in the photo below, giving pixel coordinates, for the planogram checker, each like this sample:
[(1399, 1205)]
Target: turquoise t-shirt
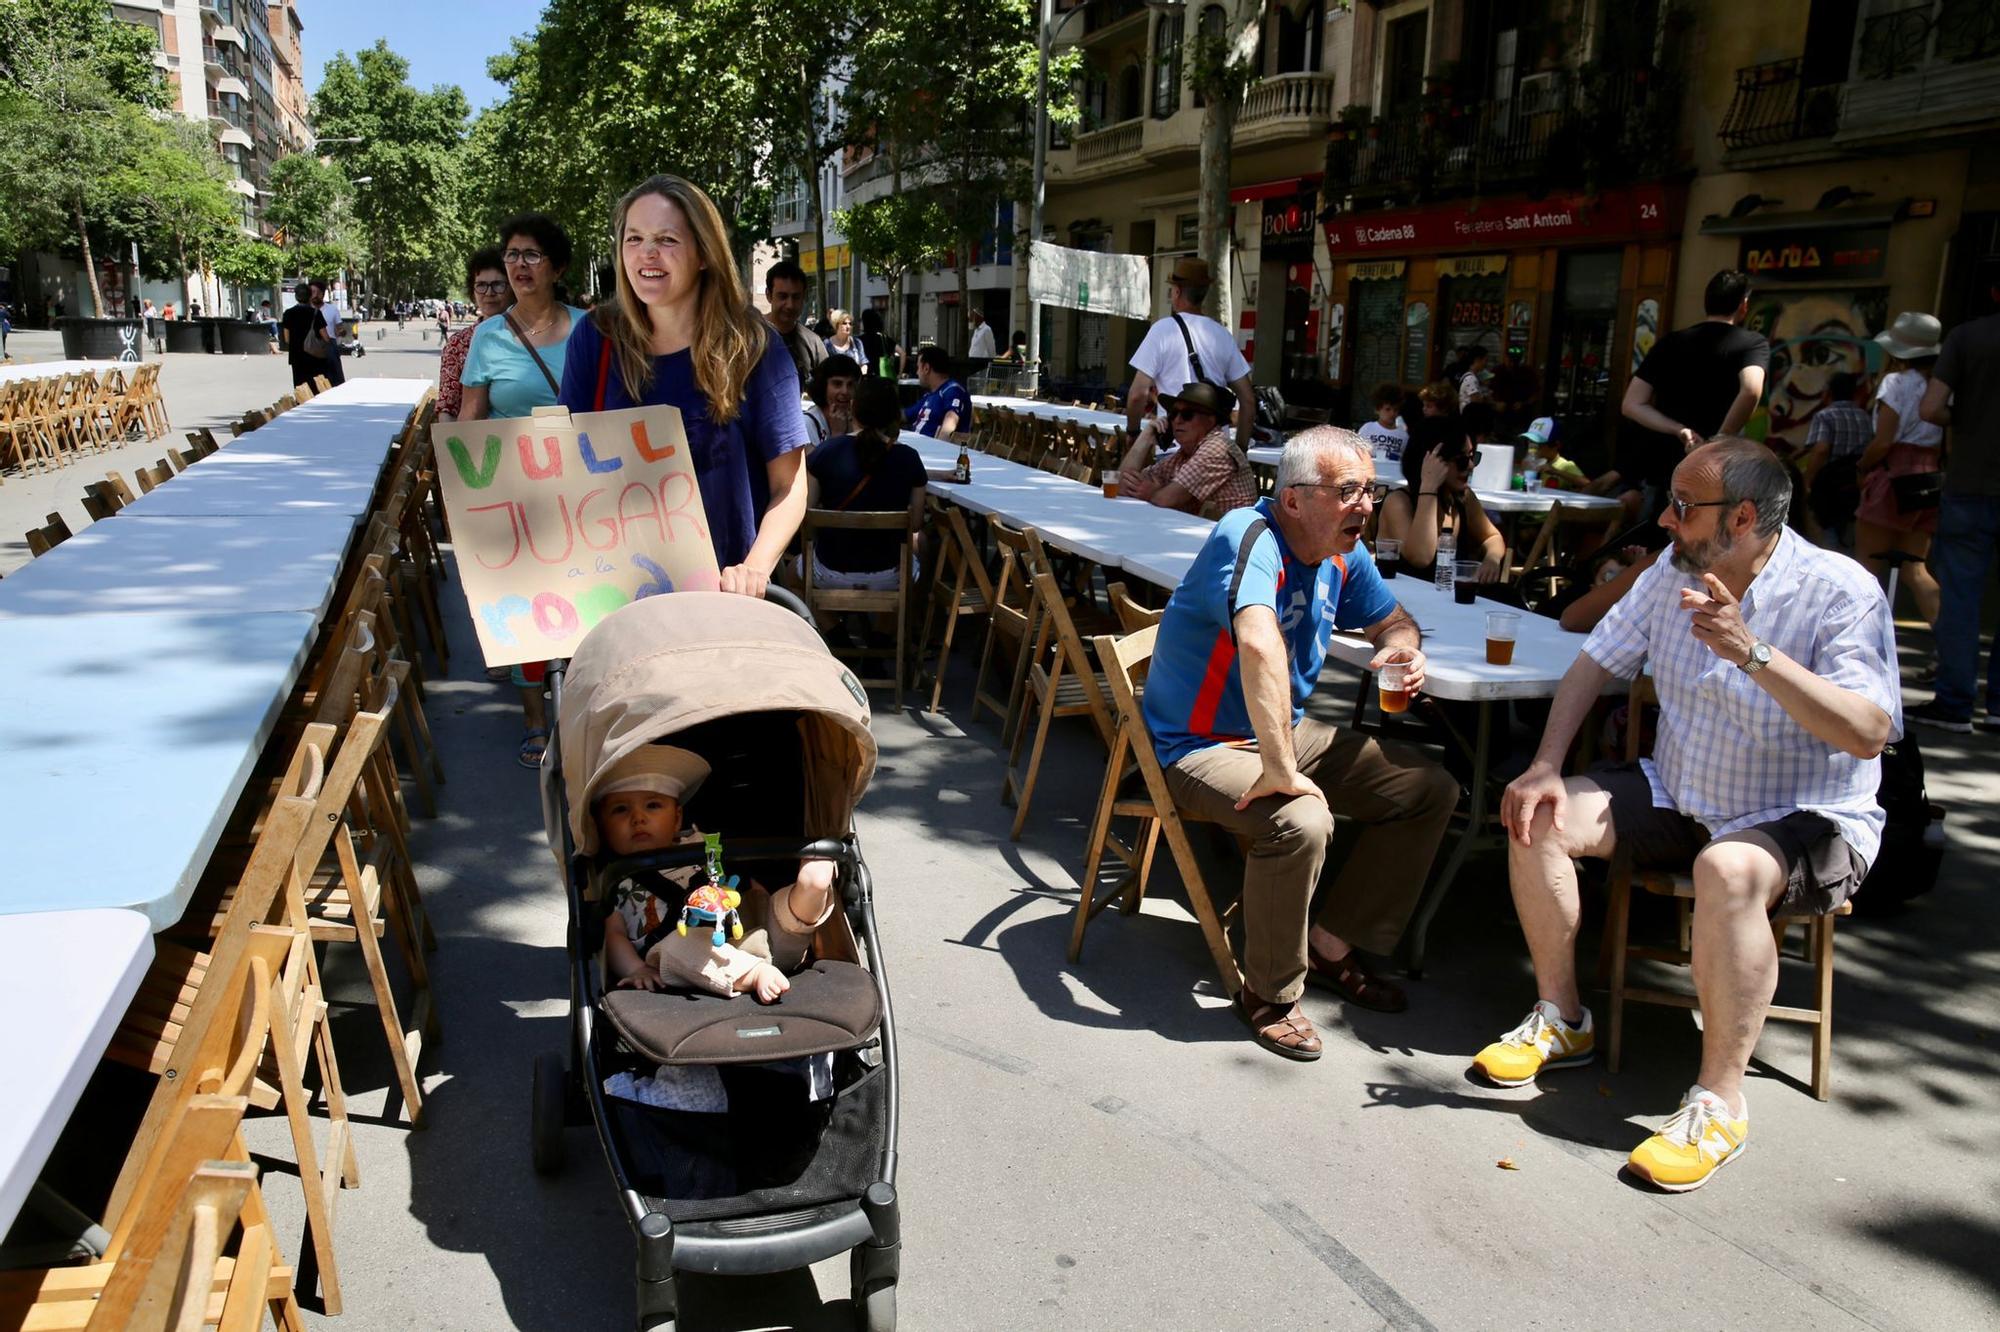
[(514, 384)]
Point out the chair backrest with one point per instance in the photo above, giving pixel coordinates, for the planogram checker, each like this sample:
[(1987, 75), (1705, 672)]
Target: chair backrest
[(151, 478), (903, 522), (961, 555), (1566, 518), (178, 459), (96, 505), (1126, 661), (1069, 651), (42, 540), (1132, 617), (106, 495), (165, 1280), (117, 486), (1640, 696)]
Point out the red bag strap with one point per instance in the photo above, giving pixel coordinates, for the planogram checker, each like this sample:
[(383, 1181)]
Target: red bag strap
[(603, 369)]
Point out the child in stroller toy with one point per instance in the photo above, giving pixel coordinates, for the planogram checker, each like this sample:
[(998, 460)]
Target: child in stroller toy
[(647, 943)]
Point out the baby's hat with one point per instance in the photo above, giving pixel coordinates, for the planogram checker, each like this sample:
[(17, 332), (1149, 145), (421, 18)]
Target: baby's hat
[(665, 769)]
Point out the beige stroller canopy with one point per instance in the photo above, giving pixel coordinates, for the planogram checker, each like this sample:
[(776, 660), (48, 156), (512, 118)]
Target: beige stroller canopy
[(660, 665)]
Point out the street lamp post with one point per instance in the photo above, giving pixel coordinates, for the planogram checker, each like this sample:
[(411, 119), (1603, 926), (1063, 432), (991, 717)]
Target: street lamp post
[(1045, 36)]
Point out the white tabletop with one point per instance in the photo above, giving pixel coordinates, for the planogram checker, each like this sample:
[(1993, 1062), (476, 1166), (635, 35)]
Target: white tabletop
[(51, 369), (1052, 411), (128, 742), (1070, 514), (244, 481), (66, 978), (142, 563), (1540, 501), (1455, 647)]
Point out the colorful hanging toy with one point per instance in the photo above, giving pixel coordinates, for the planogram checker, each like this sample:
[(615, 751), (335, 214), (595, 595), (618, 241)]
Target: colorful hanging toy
[(715, 902)]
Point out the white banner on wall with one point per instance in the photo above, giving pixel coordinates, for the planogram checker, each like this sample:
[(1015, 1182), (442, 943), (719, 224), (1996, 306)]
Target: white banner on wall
[(1113, 284)]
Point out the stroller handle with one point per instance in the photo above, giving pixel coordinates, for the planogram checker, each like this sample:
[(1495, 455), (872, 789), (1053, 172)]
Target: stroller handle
[(789, 599), (735, 848)]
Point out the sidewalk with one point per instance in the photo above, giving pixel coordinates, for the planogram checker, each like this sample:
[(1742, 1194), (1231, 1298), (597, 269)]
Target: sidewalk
[(1100, 1146)]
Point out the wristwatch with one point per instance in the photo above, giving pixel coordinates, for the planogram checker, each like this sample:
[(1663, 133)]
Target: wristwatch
[(1759, 658)]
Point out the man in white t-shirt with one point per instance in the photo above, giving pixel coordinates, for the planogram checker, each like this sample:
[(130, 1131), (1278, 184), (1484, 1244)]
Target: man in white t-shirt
[(979, 351), (1163, 365)]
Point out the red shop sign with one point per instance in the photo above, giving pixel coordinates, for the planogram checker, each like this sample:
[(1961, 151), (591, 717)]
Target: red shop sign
[(1644, 210)]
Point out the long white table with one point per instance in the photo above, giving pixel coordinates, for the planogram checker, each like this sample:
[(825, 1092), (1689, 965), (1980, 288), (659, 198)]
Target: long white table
[(66, 978), (1495, 501), (142, 563), (52, 369), (1051, 411)]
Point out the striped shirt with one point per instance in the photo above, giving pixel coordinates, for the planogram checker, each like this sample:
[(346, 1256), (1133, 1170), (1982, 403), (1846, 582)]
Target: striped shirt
[(1845, 428), (1727, 755)]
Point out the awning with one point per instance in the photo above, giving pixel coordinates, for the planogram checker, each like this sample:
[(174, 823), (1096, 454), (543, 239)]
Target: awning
[(1472, 265), (1375, 270), (836, 258), (1275, 189), (1867, 215)]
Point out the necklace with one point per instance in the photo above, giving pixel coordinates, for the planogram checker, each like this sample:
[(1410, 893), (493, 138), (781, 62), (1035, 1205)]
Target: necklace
[(544, 326)]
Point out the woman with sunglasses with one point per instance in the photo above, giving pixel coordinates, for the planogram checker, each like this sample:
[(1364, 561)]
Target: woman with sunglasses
[(1438, 465), (486, 280)]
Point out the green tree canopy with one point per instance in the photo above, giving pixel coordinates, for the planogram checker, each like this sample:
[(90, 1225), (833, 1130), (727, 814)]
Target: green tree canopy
[(172, 195)]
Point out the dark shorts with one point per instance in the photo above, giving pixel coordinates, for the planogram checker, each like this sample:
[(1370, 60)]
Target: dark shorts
[(1821, 869)]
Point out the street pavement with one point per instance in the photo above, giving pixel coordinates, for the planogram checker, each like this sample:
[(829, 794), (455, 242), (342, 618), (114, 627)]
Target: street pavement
[(1099, 1145)]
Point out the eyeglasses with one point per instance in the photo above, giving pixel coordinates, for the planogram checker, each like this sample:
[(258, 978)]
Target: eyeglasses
[(1468, 461), (526, 258), (1189, 413), (1348, 491), (1681, 506), (490, 288)]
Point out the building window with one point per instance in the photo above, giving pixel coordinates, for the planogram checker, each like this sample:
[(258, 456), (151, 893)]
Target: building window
[(1167, 66), (1299, 38), (1131, 93)]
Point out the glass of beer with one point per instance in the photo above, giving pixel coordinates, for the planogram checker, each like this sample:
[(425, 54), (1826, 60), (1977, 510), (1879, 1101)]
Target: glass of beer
[(1388, 554), (1500, 627), (1110, 479), (1466, 585), (1392, 682)]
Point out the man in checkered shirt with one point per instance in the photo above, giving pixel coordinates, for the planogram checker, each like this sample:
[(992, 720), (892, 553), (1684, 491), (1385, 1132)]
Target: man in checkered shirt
[(1208, 474), (1775, 664)]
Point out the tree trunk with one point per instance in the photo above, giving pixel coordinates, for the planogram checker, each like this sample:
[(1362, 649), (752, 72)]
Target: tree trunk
[(965, 251), (895, 334), (810, 166), (181, 261), (1218, 122), (89, 261)]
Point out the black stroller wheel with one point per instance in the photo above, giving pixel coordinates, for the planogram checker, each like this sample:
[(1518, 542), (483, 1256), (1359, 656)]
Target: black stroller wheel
[(546, 1112), (875, 1310)]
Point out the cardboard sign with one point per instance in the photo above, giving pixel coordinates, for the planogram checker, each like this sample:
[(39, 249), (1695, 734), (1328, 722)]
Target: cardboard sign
[(559, 520)]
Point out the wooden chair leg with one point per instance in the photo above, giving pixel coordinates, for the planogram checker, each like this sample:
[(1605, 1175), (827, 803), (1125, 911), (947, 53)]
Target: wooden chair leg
[(317, 1182), (1616, 927), (952, 617), (1100, 831), (1821, 932)]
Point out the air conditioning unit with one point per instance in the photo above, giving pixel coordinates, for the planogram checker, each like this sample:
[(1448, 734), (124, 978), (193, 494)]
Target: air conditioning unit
[(1539, 94)]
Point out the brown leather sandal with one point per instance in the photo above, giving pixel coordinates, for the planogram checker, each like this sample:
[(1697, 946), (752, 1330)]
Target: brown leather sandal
[(1355, 983), (1283, 1029)]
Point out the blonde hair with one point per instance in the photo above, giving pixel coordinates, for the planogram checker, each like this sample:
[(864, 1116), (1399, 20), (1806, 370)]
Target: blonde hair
[(729, 337), (837, 318)]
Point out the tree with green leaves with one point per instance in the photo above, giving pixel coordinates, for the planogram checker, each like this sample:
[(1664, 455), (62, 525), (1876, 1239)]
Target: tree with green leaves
[(307, 198), (173, 195), (894, 234), (408, 151), (243, 262), (73, 85)]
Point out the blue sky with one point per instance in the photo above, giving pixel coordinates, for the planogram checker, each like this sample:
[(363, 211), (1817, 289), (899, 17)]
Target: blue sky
[(445, 41)]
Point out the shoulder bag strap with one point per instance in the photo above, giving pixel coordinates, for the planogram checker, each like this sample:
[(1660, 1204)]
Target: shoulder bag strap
[(522, 338), (603, 371), (1194, 357)]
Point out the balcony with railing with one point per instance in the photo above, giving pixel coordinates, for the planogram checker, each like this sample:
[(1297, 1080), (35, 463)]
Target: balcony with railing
[(1285, 106), (1928, 67), (1594, 129), (1774, 104)]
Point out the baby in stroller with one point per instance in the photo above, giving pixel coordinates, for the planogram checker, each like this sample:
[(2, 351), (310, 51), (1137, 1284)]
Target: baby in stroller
[(647, 945)]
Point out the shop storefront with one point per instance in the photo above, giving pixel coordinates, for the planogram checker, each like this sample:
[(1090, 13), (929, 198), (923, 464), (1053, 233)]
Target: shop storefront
[(1573, 283)]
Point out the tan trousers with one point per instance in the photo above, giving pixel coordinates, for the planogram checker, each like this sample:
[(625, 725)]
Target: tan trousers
[(1402, 799)]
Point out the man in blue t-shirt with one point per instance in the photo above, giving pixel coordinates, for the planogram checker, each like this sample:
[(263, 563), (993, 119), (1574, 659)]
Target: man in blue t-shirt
[(944, 408), (1239, 650)]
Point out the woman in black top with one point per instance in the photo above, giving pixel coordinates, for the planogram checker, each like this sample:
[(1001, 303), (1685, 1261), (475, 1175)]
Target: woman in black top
[(1438, 463), (867, 471)]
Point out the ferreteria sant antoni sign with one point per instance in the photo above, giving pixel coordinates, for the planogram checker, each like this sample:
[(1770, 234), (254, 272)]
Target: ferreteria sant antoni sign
[(1641, 211)]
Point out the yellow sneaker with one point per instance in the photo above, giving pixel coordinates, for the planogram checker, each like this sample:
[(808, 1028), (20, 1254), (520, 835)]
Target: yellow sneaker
[(1543, 1041), (1701, 1138)]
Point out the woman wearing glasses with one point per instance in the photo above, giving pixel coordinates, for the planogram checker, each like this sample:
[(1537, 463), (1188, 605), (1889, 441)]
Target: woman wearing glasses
[(682, 333), (1438, 465), (516, 361), (515, 365), (486, 279)]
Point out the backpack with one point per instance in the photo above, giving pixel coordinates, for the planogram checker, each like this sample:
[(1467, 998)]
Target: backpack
[(1912, 839)]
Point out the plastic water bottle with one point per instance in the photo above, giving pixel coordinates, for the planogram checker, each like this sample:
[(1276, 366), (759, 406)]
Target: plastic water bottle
[(1445, 571)]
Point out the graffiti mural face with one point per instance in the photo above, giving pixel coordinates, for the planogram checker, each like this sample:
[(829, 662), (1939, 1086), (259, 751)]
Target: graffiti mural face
[(1814, 335)]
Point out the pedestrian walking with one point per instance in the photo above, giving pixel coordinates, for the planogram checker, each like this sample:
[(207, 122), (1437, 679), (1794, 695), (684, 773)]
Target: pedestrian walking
[(785, 291), (1900, 476), (979, 351), (1964, 393)]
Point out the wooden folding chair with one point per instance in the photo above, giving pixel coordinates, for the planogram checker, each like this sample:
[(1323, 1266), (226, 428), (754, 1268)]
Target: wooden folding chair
[(1561, 526), (175, 1014), (43, 539), (115, 485), (180, 460), (845, 600), (1680, 887), (152, 478), (1061, 682), (1132, 617), (959, 588), (1007, 626), (143, 396), (302, 392), (1125, 661), (190, 1185), (320, 384), (95, 504)]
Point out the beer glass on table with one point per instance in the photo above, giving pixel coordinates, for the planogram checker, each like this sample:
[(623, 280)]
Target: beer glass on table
[(1110, 480), (1500, 629), (1466, 585)]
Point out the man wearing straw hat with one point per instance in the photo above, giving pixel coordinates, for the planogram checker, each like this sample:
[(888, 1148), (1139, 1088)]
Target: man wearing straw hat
[(1187, 347)]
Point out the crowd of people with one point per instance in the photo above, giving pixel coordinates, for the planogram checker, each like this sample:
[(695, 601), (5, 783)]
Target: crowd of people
[(1773, 654)]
